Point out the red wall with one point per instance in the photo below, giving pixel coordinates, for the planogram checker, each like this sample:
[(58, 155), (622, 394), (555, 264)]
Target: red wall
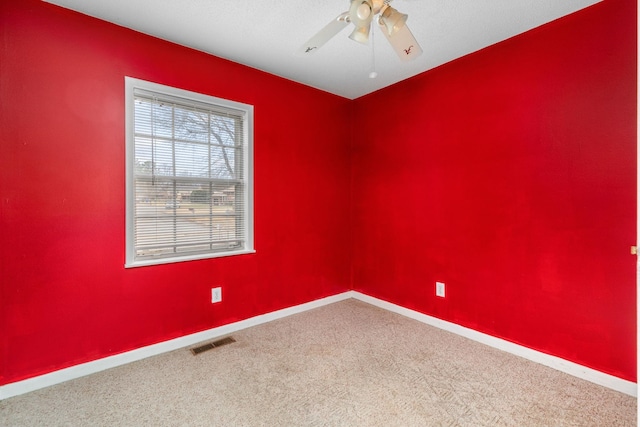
[(510, 175), (65, 297)]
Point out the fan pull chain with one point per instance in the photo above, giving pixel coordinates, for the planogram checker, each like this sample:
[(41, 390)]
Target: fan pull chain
[(373, 74)]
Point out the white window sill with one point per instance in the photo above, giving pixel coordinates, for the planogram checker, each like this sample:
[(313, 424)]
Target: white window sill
[(148, 262)]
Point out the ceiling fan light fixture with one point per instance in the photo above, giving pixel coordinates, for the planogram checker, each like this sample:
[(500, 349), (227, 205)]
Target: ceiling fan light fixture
[(361, 35), (361, 12), (392, 20)]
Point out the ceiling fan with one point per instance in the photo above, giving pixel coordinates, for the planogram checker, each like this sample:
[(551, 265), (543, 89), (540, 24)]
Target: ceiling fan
[(362, 13)]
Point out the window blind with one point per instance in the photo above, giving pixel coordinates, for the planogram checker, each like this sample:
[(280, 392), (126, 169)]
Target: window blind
[(189, 181)]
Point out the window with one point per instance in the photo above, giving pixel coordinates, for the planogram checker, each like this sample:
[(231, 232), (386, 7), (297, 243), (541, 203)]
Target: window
[(189, 175)]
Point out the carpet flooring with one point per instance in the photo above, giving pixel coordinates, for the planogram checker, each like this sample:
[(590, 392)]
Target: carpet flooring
[(344, 364)]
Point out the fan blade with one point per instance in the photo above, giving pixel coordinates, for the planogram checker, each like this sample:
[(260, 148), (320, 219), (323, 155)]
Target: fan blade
[(403, 43), (324, 35)]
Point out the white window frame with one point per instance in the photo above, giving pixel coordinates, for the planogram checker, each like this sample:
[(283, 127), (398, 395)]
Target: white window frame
[(131, 86)]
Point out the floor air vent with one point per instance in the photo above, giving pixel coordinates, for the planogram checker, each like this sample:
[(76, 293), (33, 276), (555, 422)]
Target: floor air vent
[(212, 345)]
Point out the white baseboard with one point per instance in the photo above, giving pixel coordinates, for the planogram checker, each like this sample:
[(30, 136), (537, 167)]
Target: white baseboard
[(554, 362), (77, 371)]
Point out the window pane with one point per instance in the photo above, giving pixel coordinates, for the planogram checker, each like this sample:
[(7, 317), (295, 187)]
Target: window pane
[(223, 162), (224, 130), (162, 157), (142, 114), (192, 159), (162, 120), (191, 125), (143, 156)]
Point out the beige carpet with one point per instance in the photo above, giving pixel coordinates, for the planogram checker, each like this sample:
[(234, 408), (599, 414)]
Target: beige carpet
[(345, 364)]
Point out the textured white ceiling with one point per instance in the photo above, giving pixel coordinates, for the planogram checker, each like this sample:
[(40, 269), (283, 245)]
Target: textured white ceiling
[(266, 34)]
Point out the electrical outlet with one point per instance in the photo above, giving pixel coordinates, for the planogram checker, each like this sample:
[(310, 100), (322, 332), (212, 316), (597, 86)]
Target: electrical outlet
[(440, 289), (216, 295)]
